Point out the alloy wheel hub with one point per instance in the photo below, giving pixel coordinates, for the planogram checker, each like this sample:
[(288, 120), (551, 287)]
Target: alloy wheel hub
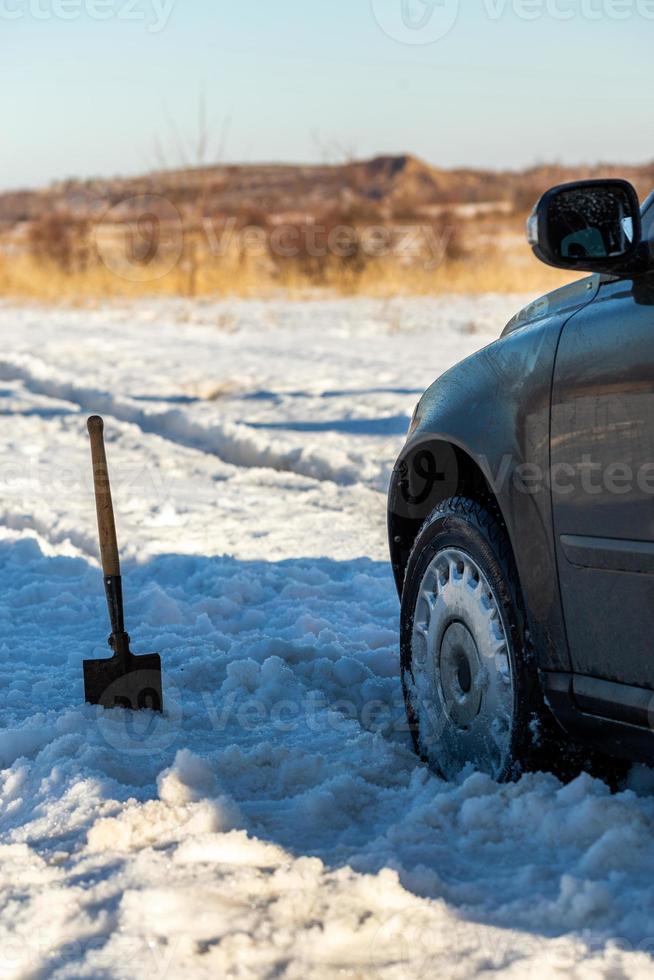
[(460, 671)]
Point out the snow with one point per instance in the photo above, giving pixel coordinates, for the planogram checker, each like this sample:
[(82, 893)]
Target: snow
[(274, 822)]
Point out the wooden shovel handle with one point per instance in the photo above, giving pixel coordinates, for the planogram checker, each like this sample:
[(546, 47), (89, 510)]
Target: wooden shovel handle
[(103, 504)]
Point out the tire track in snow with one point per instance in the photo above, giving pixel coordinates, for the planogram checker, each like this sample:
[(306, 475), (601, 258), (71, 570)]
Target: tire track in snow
[(81, 544), (233, 443)]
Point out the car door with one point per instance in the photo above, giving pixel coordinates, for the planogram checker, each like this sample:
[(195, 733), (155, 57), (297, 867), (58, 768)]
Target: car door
[(602, 473)]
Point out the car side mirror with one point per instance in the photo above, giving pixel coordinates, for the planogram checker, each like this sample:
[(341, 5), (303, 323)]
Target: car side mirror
[(589, 225)]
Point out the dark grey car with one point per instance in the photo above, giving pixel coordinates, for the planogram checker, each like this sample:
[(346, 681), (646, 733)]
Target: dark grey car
[(521, 513)]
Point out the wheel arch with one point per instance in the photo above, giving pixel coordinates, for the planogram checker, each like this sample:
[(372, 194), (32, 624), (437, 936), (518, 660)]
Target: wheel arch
[(461, 475)]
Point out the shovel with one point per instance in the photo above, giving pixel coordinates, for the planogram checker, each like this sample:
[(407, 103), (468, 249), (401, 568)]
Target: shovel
[(124, 680)]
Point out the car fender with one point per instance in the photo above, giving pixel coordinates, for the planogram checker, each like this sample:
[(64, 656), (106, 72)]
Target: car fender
[(490, 415)]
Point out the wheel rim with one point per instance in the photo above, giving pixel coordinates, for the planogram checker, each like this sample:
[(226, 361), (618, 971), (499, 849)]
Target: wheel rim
[(460, 687)]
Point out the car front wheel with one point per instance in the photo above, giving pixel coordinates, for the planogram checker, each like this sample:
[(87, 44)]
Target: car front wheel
[(469, 681)]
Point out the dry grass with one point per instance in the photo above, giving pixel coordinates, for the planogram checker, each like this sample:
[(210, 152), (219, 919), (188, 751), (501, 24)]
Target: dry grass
[(64, 259), (26, 277), (489, 274)]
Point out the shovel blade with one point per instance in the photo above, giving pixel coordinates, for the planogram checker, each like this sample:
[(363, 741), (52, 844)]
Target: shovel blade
[(114, 684)]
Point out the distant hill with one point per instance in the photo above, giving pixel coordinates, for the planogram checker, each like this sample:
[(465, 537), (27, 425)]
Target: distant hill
[(388, 187)]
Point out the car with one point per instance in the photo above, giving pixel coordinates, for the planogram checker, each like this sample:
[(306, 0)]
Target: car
[(521, 514)]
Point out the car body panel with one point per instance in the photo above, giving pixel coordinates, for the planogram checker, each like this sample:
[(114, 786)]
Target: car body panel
[(603, 444), (495, 407), (564, 301)]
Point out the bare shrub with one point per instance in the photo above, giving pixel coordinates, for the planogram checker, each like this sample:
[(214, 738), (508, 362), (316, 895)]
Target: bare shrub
[(448, 229), (61, 239), (318, 252)]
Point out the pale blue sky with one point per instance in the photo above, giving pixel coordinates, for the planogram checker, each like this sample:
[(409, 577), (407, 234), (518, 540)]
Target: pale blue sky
[(305, 80)]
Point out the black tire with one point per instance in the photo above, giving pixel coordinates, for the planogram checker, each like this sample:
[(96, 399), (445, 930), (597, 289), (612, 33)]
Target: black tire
[(474, 529)]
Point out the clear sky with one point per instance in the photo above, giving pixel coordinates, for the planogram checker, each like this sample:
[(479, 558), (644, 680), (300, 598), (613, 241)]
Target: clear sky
[(87, 87)]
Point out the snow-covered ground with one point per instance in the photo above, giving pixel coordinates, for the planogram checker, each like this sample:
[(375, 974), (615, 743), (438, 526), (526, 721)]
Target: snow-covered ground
[(274, 823)]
